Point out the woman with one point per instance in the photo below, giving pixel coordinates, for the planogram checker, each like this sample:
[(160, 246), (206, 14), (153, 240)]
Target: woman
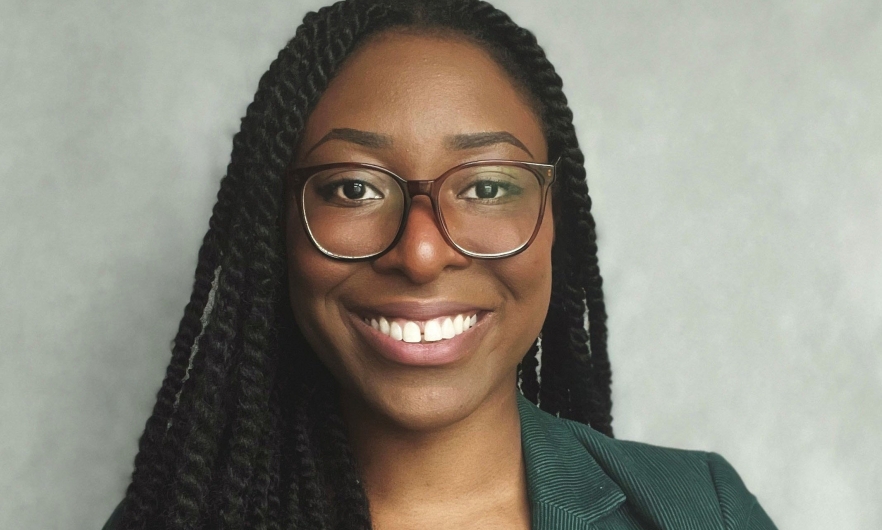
[(404, 229)]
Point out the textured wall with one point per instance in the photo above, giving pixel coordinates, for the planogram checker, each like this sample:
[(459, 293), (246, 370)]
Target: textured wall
[(735, 157)]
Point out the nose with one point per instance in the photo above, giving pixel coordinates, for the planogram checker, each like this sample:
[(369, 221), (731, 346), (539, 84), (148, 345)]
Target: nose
[(422, 253)]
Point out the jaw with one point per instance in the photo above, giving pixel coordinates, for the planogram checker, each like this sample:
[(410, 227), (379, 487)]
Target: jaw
[(427, 400)]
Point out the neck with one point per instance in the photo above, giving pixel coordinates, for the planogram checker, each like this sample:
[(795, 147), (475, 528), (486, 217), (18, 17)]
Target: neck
[(474, 465)]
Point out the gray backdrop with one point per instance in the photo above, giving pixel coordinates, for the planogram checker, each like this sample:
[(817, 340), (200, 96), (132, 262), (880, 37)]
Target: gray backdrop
[(734, 159)]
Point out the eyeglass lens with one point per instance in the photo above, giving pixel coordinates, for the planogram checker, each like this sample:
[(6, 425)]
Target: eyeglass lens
[(357, 212)]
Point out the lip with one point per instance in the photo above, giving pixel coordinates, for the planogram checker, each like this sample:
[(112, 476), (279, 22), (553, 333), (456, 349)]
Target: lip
[(424, 354)]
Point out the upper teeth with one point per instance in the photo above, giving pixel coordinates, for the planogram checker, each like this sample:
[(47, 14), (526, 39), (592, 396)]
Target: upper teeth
[(432, 330)]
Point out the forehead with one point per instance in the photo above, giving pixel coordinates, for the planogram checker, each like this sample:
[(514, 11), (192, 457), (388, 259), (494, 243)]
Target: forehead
[(419, 89)]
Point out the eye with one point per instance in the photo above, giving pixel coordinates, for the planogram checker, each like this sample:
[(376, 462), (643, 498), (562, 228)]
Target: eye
[(486, 190), (356, 189), (350, 190), (489, 190)]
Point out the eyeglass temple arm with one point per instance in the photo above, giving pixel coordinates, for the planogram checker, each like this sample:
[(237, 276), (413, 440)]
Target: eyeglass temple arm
[(556, 166)]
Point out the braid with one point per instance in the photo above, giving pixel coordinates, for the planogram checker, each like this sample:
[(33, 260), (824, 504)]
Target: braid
[(148, 472), (554, 389), (528, 373), (246, 430), (347, 486), (200, 411), (307, 504)]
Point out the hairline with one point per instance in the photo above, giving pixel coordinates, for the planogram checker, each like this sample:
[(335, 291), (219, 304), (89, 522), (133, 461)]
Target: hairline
[(498, 54)]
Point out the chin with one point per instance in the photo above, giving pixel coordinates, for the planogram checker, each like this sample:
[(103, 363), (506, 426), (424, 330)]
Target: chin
[(424, 407)]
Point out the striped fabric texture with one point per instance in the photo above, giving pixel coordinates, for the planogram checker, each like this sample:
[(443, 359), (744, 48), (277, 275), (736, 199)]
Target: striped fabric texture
[(580, 479)]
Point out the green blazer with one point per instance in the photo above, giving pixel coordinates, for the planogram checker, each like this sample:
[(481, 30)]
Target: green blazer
[(580, 479)]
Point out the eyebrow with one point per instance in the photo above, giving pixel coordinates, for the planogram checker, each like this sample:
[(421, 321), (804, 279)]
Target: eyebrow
[(367, 139), (470, 141), (457, 142)]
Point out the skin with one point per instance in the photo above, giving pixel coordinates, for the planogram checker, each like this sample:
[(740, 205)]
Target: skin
[(438, 446)]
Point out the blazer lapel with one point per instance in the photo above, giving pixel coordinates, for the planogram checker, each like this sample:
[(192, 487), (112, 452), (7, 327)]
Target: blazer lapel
[(568, 488)]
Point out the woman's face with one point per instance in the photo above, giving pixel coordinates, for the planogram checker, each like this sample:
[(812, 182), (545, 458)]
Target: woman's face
[(413, 97)]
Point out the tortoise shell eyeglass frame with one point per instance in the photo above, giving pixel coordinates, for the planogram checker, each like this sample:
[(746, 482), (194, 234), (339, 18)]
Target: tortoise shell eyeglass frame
[(296, 179)]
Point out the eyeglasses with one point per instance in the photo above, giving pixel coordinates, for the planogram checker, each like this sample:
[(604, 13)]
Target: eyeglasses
[(486, 209)]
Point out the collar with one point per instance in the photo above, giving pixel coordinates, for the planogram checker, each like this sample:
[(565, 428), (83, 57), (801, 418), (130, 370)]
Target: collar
[(568, 488)]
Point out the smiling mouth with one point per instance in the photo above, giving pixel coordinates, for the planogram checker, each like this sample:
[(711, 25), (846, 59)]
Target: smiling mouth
[(415, 331)]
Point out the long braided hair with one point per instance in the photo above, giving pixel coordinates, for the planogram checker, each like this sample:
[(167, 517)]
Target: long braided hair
[(246, 430)]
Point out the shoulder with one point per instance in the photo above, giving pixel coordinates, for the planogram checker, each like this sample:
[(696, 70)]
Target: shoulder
[(573, 469), (655, 465), (665, 484)]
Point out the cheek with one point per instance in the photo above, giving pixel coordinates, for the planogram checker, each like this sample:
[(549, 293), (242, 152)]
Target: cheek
[(306, 277), (527, 277), (534, 264), (312, 278)]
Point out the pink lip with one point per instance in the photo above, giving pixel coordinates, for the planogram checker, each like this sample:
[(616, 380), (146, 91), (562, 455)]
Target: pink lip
[(417, 310), (422, 354)]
